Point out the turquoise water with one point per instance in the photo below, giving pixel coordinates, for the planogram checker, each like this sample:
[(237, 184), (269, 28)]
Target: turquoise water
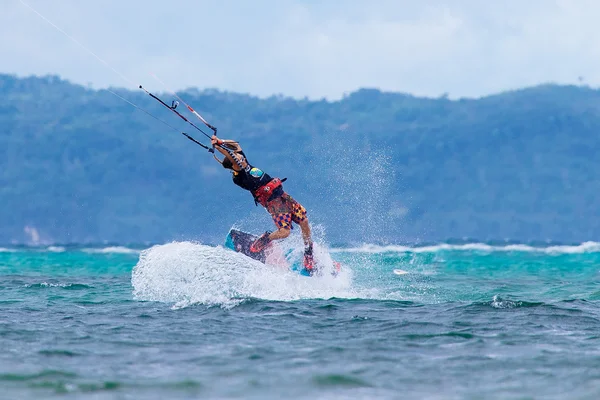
[(188, 321)]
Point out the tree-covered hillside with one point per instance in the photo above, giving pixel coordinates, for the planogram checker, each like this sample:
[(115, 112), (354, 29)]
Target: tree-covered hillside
[(82, 165)]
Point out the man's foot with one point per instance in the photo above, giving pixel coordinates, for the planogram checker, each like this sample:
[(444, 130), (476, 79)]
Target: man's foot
[(309, 261), (337, 267), (260, 243)]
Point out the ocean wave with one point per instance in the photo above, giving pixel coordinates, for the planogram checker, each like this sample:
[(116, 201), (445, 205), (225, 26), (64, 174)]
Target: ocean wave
[(502, 303), (71, 286), (551, 249), (586, 247), (71, 248), (56, 249), (111, 250), (45, 374)]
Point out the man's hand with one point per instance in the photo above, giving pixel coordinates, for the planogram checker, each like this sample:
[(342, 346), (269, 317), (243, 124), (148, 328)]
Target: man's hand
[(214, 140)]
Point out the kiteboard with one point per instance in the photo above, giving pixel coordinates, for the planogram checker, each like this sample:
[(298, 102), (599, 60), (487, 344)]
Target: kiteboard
[(272, 254)]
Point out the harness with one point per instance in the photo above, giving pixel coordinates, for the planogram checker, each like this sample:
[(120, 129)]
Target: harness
[(263, 194)]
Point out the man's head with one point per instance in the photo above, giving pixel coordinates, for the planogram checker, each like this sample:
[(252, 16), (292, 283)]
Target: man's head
[(227, 163)]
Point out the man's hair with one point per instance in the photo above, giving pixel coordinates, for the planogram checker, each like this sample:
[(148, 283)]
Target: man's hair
[(227, 163)]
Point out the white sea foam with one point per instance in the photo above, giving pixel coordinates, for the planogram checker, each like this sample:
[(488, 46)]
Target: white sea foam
[(112, 250), (56, 249), (587, 247), (185, 273), (499, 302), (49, 285)]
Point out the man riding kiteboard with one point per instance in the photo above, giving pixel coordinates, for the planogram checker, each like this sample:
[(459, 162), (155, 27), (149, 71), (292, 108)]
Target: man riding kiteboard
[(269, 193)]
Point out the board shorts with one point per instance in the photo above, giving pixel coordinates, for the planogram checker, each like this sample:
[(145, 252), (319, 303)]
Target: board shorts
[(286, 210)]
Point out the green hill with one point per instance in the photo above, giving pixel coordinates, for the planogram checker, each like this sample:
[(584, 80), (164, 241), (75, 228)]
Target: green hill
[(81, 165)]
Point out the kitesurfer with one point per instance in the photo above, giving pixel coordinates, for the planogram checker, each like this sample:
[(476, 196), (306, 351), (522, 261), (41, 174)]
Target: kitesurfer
[(268, 192)]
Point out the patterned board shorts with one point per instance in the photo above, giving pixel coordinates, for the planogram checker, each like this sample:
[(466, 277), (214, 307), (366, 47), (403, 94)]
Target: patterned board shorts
[(286, 210)]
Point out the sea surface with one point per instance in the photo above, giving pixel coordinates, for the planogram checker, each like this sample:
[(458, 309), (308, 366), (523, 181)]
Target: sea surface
[(191, 321)]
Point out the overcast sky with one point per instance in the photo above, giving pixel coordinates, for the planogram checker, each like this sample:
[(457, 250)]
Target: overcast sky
[(314, 48)]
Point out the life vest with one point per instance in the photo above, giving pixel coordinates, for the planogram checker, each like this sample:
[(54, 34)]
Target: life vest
[(251, 178), (264, 193), (257, 182)]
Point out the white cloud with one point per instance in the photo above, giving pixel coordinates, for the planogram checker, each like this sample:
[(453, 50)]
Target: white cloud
[(309, 48)]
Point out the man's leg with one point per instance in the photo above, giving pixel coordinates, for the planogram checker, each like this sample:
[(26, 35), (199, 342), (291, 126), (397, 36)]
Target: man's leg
[(305, 227), (309, 262), (280, 233), (299, 217), (283, 222)]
